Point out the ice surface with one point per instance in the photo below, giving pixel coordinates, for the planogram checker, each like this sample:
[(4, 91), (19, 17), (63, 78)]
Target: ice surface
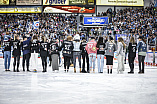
[(77, 88)]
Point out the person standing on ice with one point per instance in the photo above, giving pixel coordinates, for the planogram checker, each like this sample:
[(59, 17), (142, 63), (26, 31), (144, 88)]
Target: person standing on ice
[(84, 55), (34, 52), (110, 48), (132, 54), (76, 51), (26, 51), (44, 53), (7, 51), (67, 52), (100, 54), (92, 51), (16, 52), (120, 55), (54, 51), (142, 50)]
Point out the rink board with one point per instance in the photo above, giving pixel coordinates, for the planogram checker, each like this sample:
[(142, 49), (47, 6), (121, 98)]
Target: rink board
[(148, 58)]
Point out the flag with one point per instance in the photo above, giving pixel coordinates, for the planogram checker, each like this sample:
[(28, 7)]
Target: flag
[(36, 24)]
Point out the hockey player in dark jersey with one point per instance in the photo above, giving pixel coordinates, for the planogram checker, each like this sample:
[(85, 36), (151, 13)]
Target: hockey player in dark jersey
[(16, 52), (67, 52)]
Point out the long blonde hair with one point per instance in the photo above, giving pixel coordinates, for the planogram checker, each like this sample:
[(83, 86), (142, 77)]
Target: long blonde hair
[(43, 39), (132, 40), (69, 38), (120, 39)]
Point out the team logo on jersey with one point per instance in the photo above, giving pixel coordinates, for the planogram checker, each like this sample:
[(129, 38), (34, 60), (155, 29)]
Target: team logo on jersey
[(94, 48)]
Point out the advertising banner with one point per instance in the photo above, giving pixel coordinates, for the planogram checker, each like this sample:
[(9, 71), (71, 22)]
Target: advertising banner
[(95, 20), (149, 57), (120, 2), (68, 9), (28, 2), (21, 9), (55, 2), (12, 2), (4, 2), (81, 2)]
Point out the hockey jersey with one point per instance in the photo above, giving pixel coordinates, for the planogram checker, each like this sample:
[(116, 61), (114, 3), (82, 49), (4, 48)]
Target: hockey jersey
[(16, 47), (43, 48), (67, 48), (91, 47), (7, 45), (35, 46), (132, 49), (101, 48), (82, 47), (54, 48), (26, 46)]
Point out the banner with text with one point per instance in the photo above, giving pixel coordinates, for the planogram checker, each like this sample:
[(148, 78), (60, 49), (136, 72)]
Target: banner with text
[(68, 9), (12, 2), (81, 2), (21, 9), (55, 2), (95, 20), (28, 2), (120, 2), (4, 2)]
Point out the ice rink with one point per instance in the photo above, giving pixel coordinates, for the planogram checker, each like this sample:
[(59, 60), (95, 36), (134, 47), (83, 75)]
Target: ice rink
[(78, 88)]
